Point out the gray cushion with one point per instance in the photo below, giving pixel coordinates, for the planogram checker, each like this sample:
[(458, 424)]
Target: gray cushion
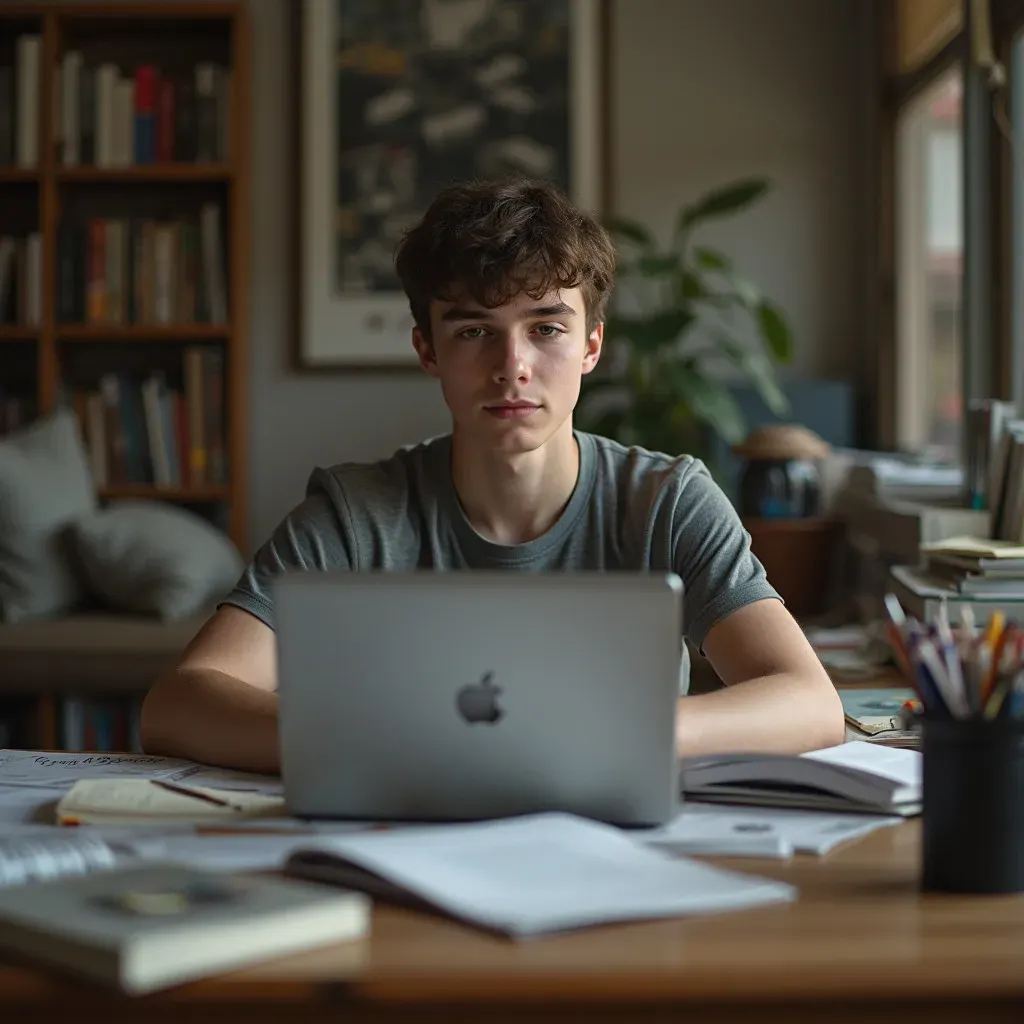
[(152, 557), (45, 484)]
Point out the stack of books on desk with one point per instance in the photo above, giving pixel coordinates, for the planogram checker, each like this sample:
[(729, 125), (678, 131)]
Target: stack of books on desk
[(978, 567), (982, 573)]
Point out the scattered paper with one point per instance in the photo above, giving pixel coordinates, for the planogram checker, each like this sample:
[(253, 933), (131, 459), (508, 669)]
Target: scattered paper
[(712, 830), (44, 768), (221, 852), (24, 804), (229, 778)]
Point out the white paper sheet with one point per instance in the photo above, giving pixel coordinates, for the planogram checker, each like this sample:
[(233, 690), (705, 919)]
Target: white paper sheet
[(44, 768), (48, 769), (714, 830), (547, 872), (19, 804), (239, 852), (902, 766), (228, 778)]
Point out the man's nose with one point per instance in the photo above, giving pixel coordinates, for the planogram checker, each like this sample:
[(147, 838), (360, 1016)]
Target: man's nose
[(512, 361)]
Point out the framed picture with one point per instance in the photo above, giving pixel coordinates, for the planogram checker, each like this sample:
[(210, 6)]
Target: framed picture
[(399, 98)]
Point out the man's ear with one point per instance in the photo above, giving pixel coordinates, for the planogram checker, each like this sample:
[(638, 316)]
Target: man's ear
[(425, 351), (592, 352)]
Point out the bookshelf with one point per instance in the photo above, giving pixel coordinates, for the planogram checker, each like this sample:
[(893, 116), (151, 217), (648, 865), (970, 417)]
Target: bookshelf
[(124, 269), (124, 191)]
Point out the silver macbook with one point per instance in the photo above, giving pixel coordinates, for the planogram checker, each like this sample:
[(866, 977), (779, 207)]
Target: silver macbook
[(467, 695)]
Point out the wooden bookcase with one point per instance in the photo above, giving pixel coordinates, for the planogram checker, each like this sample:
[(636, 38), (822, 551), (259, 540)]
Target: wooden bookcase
[(60, 352)]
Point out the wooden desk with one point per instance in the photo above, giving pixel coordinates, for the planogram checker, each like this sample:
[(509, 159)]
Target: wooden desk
[(860, 944)]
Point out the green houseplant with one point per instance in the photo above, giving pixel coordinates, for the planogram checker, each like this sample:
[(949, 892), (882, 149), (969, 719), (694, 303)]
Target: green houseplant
[(663, 381)]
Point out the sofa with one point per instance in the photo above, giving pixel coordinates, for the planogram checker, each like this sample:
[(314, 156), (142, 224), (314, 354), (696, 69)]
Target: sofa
[(97, 596), (99, 652)]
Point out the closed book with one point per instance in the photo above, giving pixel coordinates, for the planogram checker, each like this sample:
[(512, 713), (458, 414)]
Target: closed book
[(146, 928)]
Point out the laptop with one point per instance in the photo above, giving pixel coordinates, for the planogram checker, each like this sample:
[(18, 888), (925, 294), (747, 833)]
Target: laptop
[(469, 695)]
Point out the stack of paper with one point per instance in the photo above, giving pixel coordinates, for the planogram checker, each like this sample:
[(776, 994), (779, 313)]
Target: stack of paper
[(529, 875)]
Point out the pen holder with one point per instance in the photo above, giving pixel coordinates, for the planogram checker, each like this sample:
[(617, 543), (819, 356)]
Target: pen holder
[(973, 805)]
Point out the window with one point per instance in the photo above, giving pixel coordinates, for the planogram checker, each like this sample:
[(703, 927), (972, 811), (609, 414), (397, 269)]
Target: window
[(1014, 134), (929, 269)]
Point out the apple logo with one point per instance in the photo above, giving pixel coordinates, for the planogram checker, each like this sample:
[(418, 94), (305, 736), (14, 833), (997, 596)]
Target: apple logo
[(478, 702)]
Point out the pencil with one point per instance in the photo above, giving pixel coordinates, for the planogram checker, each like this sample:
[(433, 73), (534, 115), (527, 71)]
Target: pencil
[(196, 794)]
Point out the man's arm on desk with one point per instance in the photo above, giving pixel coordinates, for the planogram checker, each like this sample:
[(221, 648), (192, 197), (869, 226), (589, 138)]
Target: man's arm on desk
[(777, 697), (218, 705)]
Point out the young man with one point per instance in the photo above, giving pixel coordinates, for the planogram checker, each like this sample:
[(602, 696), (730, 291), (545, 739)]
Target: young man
[(507, 284)]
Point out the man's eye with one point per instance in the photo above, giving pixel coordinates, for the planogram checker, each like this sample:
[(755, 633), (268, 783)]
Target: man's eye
[(472, 332), (548, 330)]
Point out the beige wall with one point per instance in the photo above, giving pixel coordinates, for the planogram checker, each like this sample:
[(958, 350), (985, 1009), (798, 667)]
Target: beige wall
[(704, 90)]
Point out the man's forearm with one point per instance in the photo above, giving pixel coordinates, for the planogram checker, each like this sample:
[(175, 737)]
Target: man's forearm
[(213, 718), (778, 714)]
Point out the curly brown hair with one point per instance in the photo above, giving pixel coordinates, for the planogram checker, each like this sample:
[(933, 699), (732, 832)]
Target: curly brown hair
[(498, 238)]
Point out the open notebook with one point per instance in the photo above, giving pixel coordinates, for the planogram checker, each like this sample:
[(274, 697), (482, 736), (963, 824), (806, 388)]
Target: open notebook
[(529, 875), (855, 776)]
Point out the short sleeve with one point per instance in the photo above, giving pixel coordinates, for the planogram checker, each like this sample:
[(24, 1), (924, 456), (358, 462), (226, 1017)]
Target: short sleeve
[(310, 537), (712, 555)]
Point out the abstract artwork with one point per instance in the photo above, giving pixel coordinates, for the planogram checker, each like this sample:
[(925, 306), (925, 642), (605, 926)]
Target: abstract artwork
[(402, 97)]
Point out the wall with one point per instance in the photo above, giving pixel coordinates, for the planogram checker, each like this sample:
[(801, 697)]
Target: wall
[(702, 92), (709, 92)]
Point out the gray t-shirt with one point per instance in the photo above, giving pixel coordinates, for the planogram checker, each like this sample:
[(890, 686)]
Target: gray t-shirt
[(631, 509)]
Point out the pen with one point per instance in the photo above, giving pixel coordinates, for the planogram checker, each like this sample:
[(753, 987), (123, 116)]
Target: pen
[(196, 794)]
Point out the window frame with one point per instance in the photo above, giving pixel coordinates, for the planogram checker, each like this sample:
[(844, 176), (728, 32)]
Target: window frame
[(1007, 22), (992, 364)]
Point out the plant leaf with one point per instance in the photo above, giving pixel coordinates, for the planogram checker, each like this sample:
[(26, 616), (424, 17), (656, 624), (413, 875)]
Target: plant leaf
[(747, 293), (721, 201), (709, 259), (631, 230), (711, 401), (775, 331), (690, 287), (657, 266), (758, 371)]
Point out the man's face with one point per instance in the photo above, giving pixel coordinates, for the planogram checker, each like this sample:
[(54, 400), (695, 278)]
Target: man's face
[(510, 375)]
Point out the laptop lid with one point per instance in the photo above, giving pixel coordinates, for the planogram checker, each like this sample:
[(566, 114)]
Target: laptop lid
[(467, 695)]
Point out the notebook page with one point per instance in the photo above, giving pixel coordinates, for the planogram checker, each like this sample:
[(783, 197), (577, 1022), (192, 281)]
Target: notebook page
[(27, 859), (897, 765), (547, 872), (130, 798)]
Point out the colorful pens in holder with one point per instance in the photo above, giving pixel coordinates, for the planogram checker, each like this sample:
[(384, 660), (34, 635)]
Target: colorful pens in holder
[(961, 672)]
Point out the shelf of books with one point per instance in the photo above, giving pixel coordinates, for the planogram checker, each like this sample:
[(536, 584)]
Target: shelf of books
[(124, 241)]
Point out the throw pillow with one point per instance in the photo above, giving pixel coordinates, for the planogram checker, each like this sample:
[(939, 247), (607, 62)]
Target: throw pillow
[(155, 558), (45, 484)]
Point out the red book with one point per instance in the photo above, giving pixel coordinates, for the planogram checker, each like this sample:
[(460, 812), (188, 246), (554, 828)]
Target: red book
[(145, 89), (165, 121)]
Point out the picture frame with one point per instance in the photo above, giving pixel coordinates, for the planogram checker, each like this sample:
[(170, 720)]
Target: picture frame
[(390, 111)]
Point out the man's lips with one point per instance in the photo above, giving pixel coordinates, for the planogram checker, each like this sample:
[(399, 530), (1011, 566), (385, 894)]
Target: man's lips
[(511, 410)]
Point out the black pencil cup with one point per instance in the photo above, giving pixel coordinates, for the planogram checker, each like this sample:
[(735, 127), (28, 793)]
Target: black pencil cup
[(973, 809)]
